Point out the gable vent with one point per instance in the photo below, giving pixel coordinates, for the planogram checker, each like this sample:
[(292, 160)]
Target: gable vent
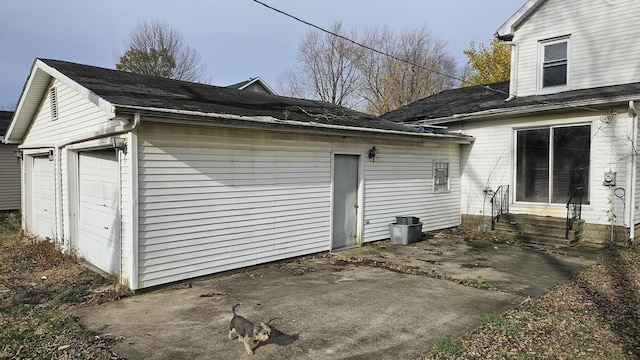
[(53, 99)]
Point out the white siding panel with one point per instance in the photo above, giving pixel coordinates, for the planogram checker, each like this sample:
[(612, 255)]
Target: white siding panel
[(9, 178), (400, 183), (216, 200), (77, 116), (599, 53), (485, 164), (612, 150), (211, 200)]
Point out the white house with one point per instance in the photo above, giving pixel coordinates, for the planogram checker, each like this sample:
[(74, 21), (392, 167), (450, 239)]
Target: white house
[(567, 119), (157, 180), (10, 165)]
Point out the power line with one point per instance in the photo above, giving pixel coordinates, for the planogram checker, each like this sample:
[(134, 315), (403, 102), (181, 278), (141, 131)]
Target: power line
[(363, 45), (487, 87)]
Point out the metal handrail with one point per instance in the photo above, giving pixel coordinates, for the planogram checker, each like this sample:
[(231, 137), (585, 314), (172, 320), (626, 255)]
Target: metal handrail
[(499, 204), (574, 208)]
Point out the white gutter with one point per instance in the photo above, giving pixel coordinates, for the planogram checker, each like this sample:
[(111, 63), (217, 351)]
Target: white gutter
[(300, 124), (631, 181)]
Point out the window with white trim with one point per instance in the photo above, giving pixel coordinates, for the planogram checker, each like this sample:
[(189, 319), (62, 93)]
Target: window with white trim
[(440, 176), (554, 64), (551, 162)]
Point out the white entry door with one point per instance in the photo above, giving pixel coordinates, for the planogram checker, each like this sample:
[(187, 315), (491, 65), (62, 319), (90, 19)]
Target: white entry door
[(42, 197), (99, 211)]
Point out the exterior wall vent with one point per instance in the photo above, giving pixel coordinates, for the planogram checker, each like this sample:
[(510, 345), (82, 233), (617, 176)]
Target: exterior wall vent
[(53, 99)]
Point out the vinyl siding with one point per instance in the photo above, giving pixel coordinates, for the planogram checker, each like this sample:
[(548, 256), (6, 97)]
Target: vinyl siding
[(77, 116), (611, 150), (489, 161), (600, 52), (9, 178), (485, 163), (211, 200), (214, 200), (400, 183)]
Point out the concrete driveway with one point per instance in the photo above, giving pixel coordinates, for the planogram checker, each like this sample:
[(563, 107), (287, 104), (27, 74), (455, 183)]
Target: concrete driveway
[(380, 301)]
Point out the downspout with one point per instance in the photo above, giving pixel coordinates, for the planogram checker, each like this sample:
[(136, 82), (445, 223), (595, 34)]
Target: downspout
[(631, 186), (513, 73), (133, 161)]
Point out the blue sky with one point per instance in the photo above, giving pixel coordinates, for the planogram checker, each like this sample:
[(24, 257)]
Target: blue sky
[(237, 39)]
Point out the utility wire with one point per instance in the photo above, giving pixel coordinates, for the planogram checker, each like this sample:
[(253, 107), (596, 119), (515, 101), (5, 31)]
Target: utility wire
[(487, 87)]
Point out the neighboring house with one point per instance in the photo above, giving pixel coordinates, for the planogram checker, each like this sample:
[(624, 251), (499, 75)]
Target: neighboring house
[(254, 84), (10, 169), (567, 119), (157, 180)]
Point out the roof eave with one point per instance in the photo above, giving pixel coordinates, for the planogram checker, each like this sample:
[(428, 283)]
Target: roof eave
[(31, 97), (527, 110), (506, 31), (301, 126)]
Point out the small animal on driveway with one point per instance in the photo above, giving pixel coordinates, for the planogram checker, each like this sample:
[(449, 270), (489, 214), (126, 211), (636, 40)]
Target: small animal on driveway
[(246, 331)]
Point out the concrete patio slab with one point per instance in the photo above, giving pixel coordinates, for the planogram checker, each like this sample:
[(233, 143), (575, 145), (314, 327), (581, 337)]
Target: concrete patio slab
[(338, 306)]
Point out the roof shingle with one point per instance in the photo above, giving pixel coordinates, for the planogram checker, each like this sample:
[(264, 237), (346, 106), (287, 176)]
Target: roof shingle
[(446, 105)]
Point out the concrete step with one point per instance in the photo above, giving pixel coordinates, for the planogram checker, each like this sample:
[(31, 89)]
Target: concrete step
[(577, 232), (536, 239), (542, 230)]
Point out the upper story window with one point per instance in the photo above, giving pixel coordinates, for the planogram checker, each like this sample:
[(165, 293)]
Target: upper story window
[(555, 62)]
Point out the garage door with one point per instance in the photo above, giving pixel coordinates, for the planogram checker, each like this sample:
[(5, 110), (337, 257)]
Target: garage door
[(42, 197), (98, 212)]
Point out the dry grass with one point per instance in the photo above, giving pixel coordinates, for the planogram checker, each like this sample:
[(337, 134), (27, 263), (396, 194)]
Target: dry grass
[(36, 282), (596, 315)]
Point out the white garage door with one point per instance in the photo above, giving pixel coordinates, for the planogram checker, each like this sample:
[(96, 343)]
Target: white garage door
[(42, 197), (98, 213)]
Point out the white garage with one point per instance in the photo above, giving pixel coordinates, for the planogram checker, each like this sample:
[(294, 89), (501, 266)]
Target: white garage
[(98, 239), (155, 180)]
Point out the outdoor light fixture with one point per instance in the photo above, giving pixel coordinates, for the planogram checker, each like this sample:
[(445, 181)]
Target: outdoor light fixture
[(18, 153), (372, 153), (50, 155), (119, 144)]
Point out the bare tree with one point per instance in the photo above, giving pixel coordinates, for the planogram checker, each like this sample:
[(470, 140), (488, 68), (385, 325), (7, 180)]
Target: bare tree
[(419, 66), (326, 70), (405, 68), (154, 48)]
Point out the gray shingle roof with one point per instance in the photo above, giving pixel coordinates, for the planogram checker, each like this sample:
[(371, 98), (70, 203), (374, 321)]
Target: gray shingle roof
[(449, 104), (124, 89)]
